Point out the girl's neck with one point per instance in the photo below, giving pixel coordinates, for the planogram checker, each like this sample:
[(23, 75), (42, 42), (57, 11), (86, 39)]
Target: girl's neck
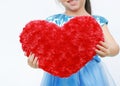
[(77, 13)]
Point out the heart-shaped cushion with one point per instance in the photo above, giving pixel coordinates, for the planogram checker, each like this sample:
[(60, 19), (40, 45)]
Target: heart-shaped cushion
[(62, 51)]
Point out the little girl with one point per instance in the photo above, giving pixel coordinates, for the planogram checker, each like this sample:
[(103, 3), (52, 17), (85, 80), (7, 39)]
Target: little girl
[(93, 73)]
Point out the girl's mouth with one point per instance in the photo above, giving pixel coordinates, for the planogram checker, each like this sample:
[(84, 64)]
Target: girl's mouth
[(69, 1), (72, 2)]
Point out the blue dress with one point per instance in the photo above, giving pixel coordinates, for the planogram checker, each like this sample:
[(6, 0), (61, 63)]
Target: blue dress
[(92, 74)]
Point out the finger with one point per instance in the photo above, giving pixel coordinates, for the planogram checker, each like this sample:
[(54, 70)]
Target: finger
[(31, 58), (100, 53), (101, 48), (30, 54), (104, 44), (35, 62)]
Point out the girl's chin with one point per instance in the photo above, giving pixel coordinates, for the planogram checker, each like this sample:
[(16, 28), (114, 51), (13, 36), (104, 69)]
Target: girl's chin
[(74, 9)]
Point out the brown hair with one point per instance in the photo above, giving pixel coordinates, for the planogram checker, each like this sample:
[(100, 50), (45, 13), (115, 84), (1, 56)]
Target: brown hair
[(88, 6)]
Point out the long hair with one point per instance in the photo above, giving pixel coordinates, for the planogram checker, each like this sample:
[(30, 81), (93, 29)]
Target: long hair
[(88, 6)]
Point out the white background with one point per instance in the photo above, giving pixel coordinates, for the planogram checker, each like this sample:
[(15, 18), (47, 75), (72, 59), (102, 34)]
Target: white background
[(14, 14)]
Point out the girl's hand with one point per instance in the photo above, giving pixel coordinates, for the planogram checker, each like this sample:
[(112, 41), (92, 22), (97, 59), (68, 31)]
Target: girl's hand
[(102, 49), (32, 61)]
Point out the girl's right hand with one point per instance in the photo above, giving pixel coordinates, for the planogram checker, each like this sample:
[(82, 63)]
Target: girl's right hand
[(32, 61)]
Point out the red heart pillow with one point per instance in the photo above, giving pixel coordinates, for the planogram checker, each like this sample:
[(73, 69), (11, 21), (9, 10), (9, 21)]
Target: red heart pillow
[(64, 50)]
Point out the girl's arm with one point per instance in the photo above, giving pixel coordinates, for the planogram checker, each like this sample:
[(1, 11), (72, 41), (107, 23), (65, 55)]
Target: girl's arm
[(109, 47)]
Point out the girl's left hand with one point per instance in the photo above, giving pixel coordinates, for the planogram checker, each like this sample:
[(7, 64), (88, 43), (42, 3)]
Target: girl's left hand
[(102, 49)]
